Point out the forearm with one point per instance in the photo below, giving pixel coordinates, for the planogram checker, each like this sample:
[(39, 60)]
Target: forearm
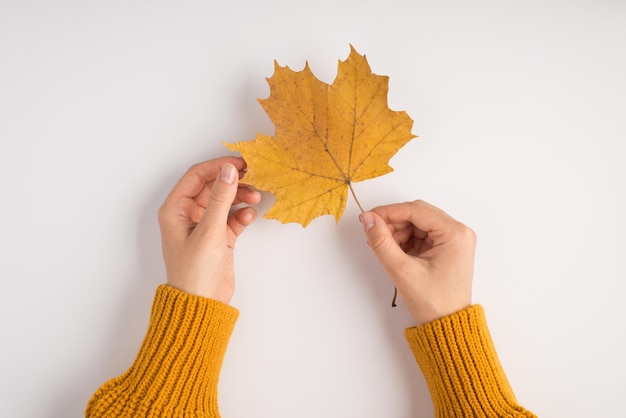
[(177, 369), (458, 359)]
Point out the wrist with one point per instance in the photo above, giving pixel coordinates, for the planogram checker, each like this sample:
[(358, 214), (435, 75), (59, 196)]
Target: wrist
[(214, 291), (426, 310)]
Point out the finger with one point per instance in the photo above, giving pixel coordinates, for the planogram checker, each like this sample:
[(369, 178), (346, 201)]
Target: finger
[(244, 195), (221, 199), (177, 220), (381, 241), (247, 195), (193, 182), (190, 211), (240, 219), (425, 217), (203, 196)]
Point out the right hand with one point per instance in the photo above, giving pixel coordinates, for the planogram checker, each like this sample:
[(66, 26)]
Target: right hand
[(428, 255)]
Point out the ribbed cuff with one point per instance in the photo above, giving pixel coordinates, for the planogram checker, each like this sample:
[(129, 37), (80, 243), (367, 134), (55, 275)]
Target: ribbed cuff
[(177, 369), (459, 362)]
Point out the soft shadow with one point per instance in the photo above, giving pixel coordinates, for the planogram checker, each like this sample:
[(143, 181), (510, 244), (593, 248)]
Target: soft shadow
[(374, 277), (131, 319)]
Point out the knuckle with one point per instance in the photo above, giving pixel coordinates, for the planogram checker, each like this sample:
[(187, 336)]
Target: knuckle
[(378, 243), (466, 235), (219, 197), (194, 167), (162, 213)]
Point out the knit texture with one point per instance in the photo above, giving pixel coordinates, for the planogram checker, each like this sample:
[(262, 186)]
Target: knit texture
[(459, 362), (177, 369)]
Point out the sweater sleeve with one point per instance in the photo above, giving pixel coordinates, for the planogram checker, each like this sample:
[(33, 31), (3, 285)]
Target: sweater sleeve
[(461, 367), (176, 371)]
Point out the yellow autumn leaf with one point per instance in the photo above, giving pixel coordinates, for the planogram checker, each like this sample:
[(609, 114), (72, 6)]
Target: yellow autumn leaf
[(327, 137)]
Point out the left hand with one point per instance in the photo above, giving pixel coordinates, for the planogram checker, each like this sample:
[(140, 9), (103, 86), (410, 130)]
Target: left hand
[(199, 230)]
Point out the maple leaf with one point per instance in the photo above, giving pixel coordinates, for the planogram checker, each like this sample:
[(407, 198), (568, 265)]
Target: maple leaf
[(327, 137)]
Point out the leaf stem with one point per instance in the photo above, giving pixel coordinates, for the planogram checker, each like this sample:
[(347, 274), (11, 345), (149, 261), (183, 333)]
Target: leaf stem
[(395, 289), (355, 198)]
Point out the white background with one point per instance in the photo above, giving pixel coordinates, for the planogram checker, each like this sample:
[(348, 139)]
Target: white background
[(520, 110)]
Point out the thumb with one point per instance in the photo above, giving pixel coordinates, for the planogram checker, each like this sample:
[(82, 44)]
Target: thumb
[(221, 199), (381, 241)]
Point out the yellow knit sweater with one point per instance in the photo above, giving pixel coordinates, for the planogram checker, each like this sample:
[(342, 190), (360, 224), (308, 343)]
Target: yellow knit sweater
[(177, 369)]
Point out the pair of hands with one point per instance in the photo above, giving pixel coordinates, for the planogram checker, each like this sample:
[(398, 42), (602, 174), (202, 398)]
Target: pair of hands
[(428, 255)]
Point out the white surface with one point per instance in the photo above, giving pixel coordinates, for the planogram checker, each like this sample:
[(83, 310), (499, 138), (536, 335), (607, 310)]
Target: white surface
[(520, 108)]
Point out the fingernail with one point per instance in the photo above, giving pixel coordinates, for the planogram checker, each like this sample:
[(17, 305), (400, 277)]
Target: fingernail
[(228, 174), (367, 220)]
